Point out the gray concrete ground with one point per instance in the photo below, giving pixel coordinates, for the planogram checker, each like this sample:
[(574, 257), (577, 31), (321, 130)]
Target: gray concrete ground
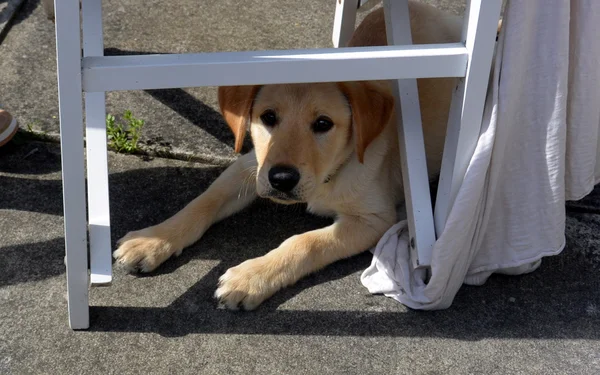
[(547, 322)]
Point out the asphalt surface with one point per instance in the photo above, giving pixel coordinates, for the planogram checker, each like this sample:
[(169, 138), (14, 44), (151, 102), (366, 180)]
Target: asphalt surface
[(547, 322)]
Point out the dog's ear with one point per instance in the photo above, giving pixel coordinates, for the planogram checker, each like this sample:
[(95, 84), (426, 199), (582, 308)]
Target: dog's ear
[(372, 106), (236, 106)]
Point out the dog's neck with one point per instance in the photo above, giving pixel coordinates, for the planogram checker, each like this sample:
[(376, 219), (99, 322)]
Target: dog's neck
[(337, 169)]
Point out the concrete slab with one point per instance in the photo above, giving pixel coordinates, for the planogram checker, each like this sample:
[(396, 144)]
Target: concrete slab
[(543, 323), (547, 322)]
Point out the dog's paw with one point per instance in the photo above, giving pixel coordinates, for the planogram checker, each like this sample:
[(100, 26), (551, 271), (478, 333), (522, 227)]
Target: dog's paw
[(144, 250), (248, 284)]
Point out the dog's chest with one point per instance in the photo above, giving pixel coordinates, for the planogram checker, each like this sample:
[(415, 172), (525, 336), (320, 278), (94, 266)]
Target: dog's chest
[(333, 201), (321, 208)]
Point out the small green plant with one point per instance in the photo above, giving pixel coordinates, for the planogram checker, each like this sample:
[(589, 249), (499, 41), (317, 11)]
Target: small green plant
[(124, 137), (32, 125)]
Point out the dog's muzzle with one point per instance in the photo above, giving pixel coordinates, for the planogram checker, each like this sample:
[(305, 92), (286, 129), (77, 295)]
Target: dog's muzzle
[(284, 178)]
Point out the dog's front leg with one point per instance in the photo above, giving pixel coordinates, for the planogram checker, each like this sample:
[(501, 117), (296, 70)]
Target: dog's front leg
[(250, 283), (146, 249)]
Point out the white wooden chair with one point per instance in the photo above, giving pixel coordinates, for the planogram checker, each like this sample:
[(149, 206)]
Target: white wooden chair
[(86, 78)]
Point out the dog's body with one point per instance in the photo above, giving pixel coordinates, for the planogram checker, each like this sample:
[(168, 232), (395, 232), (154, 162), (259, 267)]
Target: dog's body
[(331, 145)]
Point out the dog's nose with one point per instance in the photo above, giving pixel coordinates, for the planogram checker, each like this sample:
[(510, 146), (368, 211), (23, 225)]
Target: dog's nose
[(283, 178)]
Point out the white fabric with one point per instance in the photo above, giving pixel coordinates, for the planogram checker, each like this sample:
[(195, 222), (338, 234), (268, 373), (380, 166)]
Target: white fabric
[(538, 147)]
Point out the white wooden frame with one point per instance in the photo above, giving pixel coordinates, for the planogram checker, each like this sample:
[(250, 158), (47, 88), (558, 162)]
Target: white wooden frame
[(344, 22), (479, 33), (411, 144), (89, 75)]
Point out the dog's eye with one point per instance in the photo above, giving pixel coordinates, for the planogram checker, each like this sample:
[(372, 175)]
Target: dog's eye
[(322, 125), (269, 118)]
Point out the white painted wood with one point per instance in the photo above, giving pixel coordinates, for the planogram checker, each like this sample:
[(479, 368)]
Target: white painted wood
[(97, 190), (68, 51), (411, 144), (344, 22), (97, 167), (91, 23), (466, 111), (112, 73)]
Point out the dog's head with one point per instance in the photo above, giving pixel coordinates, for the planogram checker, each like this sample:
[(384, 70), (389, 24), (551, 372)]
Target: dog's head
[(303, 133)]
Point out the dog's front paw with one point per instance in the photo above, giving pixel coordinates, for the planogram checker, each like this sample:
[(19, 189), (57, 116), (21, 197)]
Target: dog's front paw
[(249, 284), (144, 250)]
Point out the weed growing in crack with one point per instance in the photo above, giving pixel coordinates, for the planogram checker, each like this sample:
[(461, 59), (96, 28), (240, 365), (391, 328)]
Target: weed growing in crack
[(124, 137)]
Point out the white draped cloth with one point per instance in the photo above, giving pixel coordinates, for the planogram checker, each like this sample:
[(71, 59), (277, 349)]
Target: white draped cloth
[(539, 146)]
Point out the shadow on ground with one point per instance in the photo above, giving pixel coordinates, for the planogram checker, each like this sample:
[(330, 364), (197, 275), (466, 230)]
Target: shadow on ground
[(25, 9), (560, 300), (553, 303)]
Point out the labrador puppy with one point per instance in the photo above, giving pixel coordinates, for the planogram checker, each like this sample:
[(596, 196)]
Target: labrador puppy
[(332, 146)]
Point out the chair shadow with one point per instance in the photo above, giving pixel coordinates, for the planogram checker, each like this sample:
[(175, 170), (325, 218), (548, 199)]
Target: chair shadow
[(539, 310), (23, 11), (552, 303), (559, 301), (130, 193)]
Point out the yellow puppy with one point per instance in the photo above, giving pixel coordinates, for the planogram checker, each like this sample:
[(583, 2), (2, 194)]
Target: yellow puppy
[(331, 145)]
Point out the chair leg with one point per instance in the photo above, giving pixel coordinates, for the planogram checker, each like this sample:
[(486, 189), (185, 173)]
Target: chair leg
[(68, 50), (411, 143), (466, 111), (97, 168), (98, 199), (344, 22)]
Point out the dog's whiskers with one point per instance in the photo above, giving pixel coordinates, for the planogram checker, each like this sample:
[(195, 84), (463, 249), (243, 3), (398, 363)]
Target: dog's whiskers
[(250, 173)]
